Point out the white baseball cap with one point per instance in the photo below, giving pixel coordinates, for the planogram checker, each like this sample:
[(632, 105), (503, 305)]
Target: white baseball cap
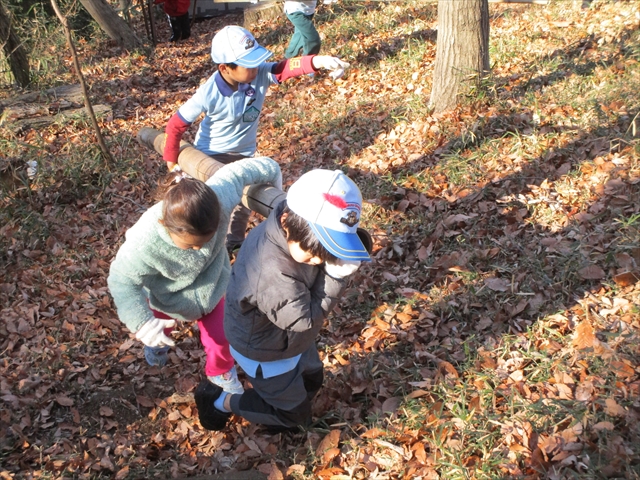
[(235, 44), (331, 203)]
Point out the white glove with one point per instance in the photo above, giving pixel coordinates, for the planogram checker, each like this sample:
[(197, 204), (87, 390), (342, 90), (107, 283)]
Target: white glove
[(152, 333), (342, 269), (335, 65)]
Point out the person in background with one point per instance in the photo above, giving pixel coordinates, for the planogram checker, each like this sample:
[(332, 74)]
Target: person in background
[(178, 13), (305, 37), (287, 278), (231, 101), (173, 264)]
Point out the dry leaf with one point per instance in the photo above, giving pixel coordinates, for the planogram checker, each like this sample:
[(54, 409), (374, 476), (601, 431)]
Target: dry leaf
[(603, 426), (448, 369), (372, 433), (145, 401), (613, 408), (417, 394), (584, 336), (64, 400), (623, 369), (331, 440), (106, 411), (592, 272), (329, 455), (122, 473), (391, 405), (584, 392), (498, 284), (626, 278)]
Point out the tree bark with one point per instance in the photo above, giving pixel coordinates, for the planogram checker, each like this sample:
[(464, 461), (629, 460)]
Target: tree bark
[(13, 49), (112, 23), (462, 52)]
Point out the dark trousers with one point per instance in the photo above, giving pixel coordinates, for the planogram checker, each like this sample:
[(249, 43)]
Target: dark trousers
[(284, 400), (181, 27), (305, 36)]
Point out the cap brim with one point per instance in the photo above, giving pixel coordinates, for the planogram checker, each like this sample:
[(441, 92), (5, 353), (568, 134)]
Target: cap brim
[(254, 58), (345, 246)]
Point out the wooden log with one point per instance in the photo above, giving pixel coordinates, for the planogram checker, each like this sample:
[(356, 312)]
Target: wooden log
[(268, 10), (66, 93), (259, 198), (63, 117)]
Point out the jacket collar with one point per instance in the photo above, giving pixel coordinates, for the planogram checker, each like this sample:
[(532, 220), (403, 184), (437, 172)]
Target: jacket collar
[(274, 231)]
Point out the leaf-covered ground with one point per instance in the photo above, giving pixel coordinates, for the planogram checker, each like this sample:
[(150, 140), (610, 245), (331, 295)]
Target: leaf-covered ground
[(494, 336)]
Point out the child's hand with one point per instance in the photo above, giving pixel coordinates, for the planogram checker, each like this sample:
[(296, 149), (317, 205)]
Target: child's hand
[(341, 269), (333, 64), (152, 333)]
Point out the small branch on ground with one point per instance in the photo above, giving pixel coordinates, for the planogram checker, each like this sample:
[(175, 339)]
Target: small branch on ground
[(76, 63)]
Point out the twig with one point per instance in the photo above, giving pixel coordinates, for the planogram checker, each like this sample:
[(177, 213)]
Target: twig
[(76, 63), (128, 199)]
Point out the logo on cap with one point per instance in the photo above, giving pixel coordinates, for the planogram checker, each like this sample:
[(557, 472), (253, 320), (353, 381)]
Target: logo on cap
[(249, 44), (351, 219)]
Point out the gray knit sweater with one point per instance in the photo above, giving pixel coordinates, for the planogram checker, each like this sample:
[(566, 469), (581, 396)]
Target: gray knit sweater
[(149, 271)]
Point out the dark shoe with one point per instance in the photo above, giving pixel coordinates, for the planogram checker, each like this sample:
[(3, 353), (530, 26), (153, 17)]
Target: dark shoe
[(210, 417), (275, 429)]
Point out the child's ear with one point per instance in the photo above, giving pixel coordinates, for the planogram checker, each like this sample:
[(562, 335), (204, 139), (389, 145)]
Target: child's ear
[(283, 217)]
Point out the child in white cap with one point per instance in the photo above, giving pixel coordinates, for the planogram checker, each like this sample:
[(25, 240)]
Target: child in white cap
[(231, 100), (287, 278)]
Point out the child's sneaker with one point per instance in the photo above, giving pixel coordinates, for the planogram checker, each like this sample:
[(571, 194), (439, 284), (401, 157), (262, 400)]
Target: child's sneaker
[(210, 417), (156, 356), (228, 381)]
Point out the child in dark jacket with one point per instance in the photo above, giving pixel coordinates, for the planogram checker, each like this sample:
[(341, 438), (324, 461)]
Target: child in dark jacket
[(288, 276)]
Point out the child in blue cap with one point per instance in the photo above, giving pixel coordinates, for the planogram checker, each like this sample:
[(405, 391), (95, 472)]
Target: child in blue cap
[(287, 278), (231, 101)]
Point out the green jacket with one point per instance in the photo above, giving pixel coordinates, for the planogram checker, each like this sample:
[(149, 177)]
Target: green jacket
[(149, 271)]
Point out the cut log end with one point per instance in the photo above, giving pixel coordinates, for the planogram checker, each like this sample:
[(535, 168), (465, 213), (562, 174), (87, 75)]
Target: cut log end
[(261, 11)]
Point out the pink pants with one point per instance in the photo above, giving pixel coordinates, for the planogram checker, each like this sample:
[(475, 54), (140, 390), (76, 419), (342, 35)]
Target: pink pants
[(219, 359)]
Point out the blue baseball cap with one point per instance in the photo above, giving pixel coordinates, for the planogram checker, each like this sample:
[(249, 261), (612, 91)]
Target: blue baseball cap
[(235, 44), (331, 203)]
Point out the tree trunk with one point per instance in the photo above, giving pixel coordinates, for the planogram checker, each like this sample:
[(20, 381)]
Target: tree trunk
[(462, 53), (113, 24), (13, 49)]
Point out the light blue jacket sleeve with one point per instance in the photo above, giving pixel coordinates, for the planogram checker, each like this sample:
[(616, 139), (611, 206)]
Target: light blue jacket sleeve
[(229, 182)]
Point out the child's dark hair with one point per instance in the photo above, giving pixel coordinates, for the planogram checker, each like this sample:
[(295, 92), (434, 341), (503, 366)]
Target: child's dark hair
[(298, 230), (189, 205), (231, 66)]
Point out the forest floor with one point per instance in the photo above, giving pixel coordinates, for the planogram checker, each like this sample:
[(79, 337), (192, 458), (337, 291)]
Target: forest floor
[(496, 332)]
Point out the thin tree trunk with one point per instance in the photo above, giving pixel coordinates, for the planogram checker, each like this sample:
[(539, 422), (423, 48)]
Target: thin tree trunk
[(112, 23), (85, 93), (462, 52), (13, 49)]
